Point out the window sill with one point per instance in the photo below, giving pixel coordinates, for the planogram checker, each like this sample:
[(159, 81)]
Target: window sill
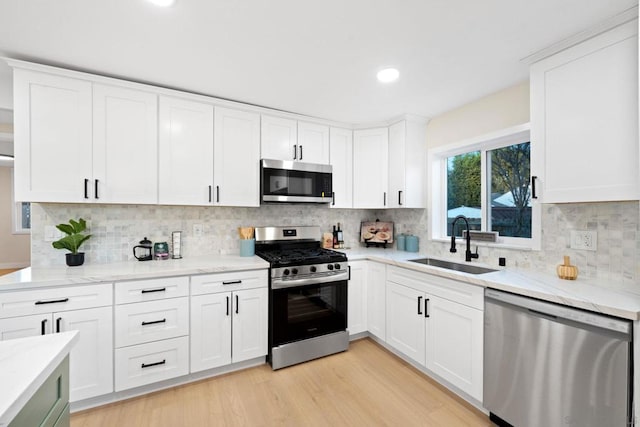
[(498, 245)]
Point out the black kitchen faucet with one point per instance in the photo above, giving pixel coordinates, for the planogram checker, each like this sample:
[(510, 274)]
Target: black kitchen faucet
[(467, 255)]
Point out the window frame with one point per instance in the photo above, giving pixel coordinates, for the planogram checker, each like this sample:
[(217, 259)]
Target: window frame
[(437, 159)]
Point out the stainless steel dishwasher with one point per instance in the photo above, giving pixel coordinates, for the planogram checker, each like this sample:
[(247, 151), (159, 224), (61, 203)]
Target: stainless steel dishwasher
[(550, 365)]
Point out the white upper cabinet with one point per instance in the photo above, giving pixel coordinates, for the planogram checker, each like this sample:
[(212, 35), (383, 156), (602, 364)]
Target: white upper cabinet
[(185, 152), (52, 137), (370, 168), (313, 143), (407, 164), (341, 159), (584, 120), (236, 158), (125, 145), (279, 138), (288, 139)]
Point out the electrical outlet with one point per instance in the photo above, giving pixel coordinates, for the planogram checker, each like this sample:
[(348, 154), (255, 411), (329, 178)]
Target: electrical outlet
[(585, 240), (197, 230)]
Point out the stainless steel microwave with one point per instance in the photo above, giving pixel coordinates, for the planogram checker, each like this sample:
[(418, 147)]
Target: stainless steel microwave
[(284, 181)]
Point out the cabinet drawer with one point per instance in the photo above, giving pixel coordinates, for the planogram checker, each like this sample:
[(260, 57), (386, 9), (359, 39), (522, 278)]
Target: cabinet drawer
[(148, 363), (151, 321), (226, 282), (154, 289), (453, 290), (47, 300)]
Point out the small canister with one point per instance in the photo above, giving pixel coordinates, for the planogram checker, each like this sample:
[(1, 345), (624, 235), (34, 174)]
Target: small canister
[(401, 238), (411, 243)]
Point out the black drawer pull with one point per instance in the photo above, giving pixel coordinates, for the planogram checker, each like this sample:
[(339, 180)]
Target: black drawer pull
[(148, 291), (232, 282), (426, 308), (52, 301), (153, 322), (148, 365), (43, 326), (58, 320), (419, 305)]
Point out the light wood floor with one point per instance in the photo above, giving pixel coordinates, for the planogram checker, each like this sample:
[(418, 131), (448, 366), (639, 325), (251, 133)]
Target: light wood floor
[(365, 386)]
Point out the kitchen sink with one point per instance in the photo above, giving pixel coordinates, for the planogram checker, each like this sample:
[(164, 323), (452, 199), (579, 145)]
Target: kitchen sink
[(465, 268)]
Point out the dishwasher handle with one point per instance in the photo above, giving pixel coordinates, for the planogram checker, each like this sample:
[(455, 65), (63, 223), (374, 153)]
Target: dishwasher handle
[(563, 314)]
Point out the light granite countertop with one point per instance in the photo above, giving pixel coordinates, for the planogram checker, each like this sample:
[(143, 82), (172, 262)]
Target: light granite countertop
[(608, 298), (25, 363)]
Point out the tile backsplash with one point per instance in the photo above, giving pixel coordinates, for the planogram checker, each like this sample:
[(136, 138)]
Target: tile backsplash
[(117, 228)]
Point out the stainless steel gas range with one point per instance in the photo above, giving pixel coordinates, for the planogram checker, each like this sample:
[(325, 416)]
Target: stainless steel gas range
[(307, 295)]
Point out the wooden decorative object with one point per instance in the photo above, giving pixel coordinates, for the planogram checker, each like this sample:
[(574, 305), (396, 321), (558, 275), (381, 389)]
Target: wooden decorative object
[(567, 271)]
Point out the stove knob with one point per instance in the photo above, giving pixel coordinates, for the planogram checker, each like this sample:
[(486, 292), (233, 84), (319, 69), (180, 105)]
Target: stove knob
[(313, 269), (286, 272), (337, 266), (294, 271), (330, 267)]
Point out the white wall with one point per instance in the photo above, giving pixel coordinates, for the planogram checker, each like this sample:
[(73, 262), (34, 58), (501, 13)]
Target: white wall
[(14, 248), (6, 86)]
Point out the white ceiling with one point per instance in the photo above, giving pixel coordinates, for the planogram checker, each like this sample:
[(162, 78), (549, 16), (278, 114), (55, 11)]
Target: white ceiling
[(316, 58)]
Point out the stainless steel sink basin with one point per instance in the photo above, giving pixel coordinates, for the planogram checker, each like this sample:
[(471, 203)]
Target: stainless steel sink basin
[(465, 268)]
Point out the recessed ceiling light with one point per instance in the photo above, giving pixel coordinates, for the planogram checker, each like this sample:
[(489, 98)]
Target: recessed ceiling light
[(388, 75), (162, 3)]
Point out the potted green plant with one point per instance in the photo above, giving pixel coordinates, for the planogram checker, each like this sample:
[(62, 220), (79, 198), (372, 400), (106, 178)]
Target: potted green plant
[(72, 241)]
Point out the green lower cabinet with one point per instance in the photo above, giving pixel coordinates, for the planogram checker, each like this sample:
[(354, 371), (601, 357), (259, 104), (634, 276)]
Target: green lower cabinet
[(49, 406)]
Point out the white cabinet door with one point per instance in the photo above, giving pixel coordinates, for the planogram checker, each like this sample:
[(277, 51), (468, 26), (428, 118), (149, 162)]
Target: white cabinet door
[(376, 299), (407, 164), (52, 146), (250, 324), (25, 326), (341, 159), (279, 138), (125, 145), (454, 344), (406, 321), (185, 152), (210, 331), (370, 168), (357, 297), (584, 120), (313, 143), (91, 368), (236, 158)]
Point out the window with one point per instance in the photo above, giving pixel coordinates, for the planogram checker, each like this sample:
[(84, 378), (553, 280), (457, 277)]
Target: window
[(487, 180)]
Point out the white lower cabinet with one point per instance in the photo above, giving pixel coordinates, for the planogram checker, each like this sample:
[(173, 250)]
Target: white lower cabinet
[(427, 322), (230, 323), (147, 363), (357, 297), (59, 310), (376, 299)]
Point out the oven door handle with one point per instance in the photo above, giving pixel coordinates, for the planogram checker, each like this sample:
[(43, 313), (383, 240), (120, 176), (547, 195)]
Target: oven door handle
[(306, 281)]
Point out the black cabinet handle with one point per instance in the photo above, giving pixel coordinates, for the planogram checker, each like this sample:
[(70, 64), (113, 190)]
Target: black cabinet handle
[(349, 273), (227, 306), (333, 198), (43, 326), (237, 304), (149, 291), (52, 301), (301, 152), (210, 189), (419, 305), (86, 188), (148, 365), (384, 203), (58, 321), (153, 322), (426, 307), (232, 282), (295, 152), (217, 194), (95, 188), (533, 187), (399, 197)]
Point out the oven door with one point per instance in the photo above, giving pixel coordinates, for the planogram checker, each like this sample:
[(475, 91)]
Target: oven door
[(301, 312), (288, 182)]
